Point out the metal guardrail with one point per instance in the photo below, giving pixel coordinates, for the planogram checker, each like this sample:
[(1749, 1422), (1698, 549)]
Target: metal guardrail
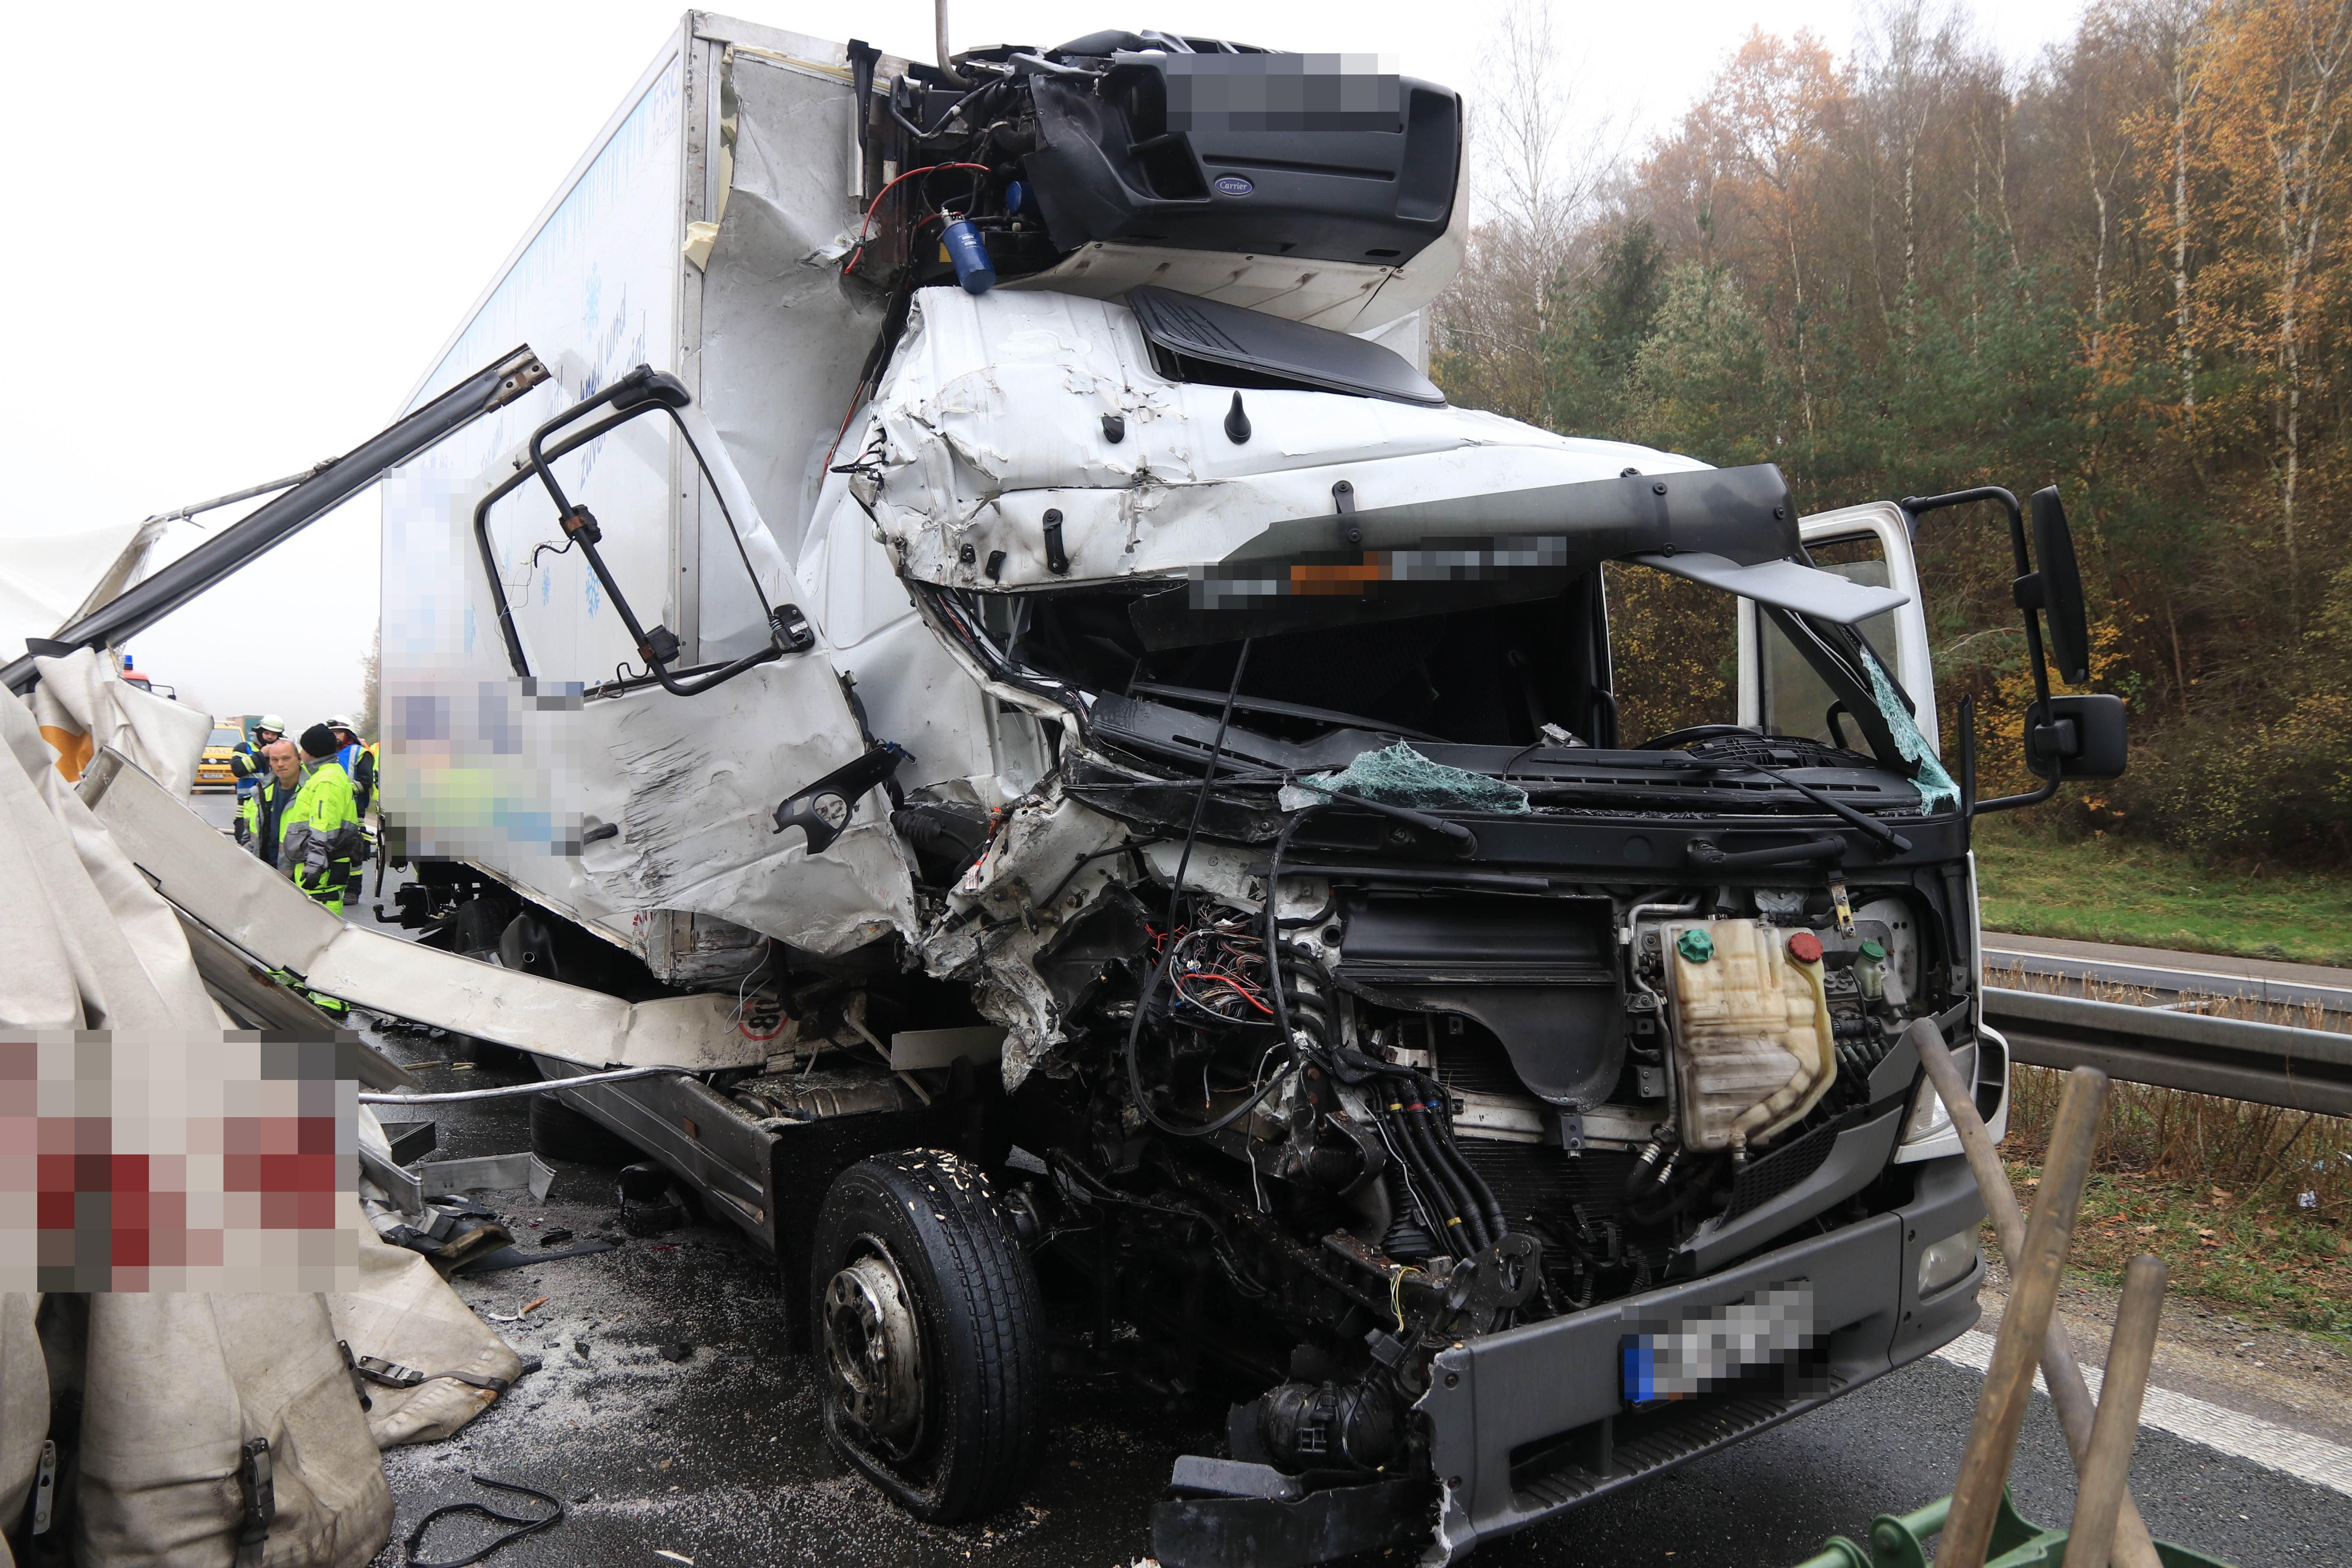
[(2180, 979), (2268, 1064)]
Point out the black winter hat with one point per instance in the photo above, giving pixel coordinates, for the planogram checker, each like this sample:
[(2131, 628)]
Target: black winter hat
[(317, 740)]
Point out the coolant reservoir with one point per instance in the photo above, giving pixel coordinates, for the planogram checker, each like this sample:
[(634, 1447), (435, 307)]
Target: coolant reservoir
[(1753, 1050)]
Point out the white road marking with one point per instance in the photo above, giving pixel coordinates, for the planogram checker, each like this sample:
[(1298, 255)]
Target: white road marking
[(2266, 1443)]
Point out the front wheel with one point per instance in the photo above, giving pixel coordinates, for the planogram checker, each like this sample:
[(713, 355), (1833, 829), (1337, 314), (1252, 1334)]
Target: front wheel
[(931, 1334)]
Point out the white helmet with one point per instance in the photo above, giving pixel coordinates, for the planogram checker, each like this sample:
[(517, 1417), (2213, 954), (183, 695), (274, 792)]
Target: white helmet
[(343, 721), (271, 722)]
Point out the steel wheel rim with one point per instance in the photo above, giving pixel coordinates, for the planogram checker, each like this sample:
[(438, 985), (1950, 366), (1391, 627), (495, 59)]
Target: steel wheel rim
[(874, 1354)]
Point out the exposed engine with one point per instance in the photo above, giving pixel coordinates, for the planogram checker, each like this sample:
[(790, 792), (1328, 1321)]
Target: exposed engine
[(1311, 1138)]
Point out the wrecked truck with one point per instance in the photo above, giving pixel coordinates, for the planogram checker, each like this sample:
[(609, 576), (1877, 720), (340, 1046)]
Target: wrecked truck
[(976, 585)]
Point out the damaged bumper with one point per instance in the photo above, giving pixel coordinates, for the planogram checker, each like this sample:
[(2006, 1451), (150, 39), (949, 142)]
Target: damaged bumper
[(1529, 1423), (1534, 1420)]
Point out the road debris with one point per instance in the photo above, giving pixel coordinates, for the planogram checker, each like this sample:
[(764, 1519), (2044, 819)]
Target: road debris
[(416, 1558)]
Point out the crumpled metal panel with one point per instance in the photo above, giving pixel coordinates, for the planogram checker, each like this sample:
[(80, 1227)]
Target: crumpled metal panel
[(260, 913), (992, 413), (692, 782), (1034, 878)]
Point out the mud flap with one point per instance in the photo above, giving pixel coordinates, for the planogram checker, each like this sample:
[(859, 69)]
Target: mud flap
[(1272, 1532)]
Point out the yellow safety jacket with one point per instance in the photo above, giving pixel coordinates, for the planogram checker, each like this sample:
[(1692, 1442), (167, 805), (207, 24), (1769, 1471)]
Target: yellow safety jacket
[(319, 833)]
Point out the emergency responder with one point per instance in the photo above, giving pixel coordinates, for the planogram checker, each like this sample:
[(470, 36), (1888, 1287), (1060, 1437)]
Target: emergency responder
[(245, 761), (319, 833), (358, 760), (261, 815)]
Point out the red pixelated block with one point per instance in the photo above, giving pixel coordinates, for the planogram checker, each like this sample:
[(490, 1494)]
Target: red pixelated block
[(167, 1228)]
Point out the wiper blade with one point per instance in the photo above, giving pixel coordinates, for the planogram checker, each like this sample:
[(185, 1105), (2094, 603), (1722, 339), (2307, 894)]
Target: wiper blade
[(1886, 836), (1281, 710)]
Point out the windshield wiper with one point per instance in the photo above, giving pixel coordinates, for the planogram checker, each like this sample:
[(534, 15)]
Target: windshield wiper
[(1281, 710), (1886, 836)]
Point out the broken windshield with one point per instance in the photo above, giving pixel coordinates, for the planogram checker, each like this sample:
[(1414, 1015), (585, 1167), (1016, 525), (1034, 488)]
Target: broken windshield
[(1618, 658)]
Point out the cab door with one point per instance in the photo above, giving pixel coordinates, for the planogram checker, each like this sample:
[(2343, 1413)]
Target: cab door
[(1871, 544)]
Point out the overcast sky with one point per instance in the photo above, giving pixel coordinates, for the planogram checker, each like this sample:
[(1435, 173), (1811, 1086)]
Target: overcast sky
[(236, 235)]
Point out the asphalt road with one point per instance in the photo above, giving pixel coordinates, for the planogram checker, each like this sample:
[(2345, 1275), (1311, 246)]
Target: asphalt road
[(718, 1459)]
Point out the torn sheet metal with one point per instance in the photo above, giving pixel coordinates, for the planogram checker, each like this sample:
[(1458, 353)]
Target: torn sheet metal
[(1047, 863), (692, 784), (994, 413), (502, 1173), (264, 917)]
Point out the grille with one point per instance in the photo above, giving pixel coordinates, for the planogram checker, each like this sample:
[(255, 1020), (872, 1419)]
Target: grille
[(1532, 1181), (1780, 1171), (1546, 1475)]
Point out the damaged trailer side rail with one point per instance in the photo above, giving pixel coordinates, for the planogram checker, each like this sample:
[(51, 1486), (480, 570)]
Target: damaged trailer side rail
[(262, 915), (142, 605), (265, 930)]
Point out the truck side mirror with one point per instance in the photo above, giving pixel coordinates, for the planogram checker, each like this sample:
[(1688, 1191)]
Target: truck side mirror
[(2056, 590), (2077, 738)]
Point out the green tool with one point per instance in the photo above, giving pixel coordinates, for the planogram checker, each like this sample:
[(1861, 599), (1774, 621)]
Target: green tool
[(1900, 1541)]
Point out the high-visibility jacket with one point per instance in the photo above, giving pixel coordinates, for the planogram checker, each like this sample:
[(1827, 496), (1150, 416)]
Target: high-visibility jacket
[(320, 833), (245, 761), (358, 761), (262, 817)]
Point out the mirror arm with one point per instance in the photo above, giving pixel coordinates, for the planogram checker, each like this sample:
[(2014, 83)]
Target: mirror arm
[(1968, 780), (2012, 802), (2027, 591)]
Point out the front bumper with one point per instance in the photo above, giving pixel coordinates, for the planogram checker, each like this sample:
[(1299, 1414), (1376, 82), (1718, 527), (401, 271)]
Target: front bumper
[(1531, 1422)]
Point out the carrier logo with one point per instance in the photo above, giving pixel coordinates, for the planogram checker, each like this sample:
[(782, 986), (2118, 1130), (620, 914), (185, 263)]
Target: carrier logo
[(1234, 185)]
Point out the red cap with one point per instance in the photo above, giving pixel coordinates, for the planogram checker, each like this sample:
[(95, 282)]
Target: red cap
[(1805, 947)]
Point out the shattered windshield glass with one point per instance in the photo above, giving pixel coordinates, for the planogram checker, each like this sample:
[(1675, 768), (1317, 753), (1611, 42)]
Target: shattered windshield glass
[(1474, 677)]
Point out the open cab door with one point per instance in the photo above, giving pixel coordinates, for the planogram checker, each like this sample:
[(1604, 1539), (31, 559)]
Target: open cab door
[(1871, 545)]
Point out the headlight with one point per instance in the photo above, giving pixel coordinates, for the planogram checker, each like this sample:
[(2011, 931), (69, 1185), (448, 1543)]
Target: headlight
[(1929, 1118), (1947, 1261)]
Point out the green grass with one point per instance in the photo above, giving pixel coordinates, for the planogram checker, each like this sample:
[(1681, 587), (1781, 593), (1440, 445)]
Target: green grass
[(2250, 1257), (2037, 880)]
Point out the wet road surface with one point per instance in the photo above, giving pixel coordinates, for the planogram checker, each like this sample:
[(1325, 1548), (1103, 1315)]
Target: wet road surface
[(719, 1458)]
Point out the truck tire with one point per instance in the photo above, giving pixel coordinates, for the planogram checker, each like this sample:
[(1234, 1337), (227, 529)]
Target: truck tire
[(927, 1322), (559, 1133)]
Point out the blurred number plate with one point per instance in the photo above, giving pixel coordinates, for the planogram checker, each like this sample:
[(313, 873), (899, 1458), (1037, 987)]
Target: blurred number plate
[(1686, 1357)]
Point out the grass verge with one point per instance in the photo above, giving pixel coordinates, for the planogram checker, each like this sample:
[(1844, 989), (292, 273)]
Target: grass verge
[(2248, 1256), (2247, 1204), (2039, 879)]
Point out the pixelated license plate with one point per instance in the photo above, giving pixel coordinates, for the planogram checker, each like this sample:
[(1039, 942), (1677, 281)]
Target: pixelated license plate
[(1686, 1357)]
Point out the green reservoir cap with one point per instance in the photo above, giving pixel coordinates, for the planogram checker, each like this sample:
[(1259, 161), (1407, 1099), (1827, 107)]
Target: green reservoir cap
[(1695, 945), (1872, 952)]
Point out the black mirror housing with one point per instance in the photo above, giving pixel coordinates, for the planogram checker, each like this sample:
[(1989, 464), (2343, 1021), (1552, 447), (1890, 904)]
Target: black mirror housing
[(2078, 738), (2057, 588)]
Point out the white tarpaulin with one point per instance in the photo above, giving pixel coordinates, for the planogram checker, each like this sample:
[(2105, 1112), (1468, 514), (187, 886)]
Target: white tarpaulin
[(178, 1387), (23, 1406), (90, 944), (45, 578), (82, 705)]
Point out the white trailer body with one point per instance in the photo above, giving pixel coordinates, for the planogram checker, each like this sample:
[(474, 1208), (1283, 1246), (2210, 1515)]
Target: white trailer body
[(703, 235)]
